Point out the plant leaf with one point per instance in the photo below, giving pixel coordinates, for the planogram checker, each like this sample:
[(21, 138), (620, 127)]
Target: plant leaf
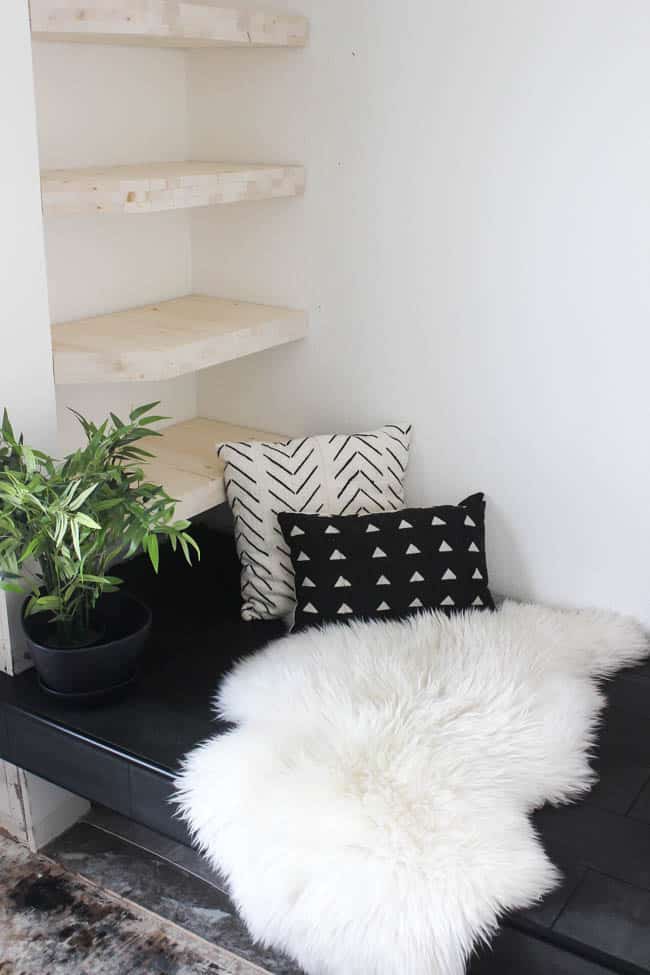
[(87, 521), (74, 532), (79, 500), (141, 410), (151, 542)]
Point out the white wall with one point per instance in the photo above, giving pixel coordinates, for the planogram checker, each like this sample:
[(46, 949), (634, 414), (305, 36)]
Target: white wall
[(26, 383), (31, 809), (105, 106), (473, 248)]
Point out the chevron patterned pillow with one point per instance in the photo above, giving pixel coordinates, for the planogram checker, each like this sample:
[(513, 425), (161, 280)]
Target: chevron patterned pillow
[(341, 474)]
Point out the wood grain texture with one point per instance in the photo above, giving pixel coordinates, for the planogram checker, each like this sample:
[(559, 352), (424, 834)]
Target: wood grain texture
[(186, 461), (165, 23), (148, 188), (169, 339), (6, 663), (14, 817)]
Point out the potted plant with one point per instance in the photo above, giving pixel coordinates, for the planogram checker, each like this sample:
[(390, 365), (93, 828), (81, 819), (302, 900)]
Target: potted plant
[(62, 526)]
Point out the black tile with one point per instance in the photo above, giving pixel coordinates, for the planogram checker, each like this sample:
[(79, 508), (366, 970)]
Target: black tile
[(610, 916), (582, 835), (622, 760), (630, 694), (515, 953), (69, 762), (548, 910), (639, 673), (618, 787), (151, 804), (641, 808), (625, 734)]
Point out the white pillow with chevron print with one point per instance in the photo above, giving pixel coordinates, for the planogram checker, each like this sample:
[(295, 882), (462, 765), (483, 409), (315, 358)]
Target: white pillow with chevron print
[(341, 474)]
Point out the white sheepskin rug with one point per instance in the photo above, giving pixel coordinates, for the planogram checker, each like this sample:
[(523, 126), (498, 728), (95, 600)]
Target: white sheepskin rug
[(371, 807)]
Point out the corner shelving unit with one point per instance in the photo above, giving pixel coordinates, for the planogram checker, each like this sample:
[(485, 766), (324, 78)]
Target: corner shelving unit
[(193, 332)]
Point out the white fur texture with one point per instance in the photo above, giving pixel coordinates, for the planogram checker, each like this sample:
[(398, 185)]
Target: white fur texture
[(370, 810)]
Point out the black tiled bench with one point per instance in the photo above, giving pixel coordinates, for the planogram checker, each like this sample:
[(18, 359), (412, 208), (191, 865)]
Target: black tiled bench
[(125, 753)]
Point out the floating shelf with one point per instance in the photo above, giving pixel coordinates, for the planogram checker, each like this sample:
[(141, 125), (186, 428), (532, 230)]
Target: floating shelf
[(186, 461), (165, 186), (169, 339), (163, 23)]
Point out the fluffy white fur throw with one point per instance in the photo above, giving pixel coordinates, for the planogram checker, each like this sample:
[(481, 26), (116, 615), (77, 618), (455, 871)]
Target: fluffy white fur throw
[(370, 809)]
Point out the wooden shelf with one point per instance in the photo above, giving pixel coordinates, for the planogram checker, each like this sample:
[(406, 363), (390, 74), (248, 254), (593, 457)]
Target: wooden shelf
[(169, 339), (165, 186), (162, 23), (186, 461)]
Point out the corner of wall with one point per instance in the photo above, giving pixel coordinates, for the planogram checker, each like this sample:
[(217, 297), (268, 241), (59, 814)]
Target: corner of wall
[(51, 810)]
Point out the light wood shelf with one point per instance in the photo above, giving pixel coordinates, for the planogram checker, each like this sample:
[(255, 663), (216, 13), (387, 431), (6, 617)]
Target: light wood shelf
[(186, 461), (165, 186), (169, 339), (163, 23)]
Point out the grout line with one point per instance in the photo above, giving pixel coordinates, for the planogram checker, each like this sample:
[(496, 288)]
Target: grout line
[(636, 799), (571, 947), (574, 890), (617, 880)]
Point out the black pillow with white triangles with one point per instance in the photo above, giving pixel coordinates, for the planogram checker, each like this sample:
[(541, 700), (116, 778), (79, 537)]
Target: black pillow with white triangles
[(388, 566)]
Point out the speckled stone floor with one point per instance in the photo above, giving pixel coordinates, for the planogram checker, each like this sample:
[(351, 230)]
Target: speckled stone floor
[(55, 922), (168, 879)]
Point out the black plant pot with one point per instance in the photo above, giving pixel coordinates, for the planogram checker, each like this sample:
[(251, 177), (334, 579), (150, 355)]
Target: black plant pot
[(91, 672)]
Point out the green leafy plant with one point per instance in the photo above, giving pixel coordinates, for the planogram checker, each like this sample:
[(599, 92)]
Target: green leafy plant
[(63, 524)]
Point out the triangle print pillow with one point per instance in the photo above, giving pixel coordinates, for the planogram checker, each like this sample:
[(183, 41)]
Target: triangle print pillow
[(338, 474), (389, 565)]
